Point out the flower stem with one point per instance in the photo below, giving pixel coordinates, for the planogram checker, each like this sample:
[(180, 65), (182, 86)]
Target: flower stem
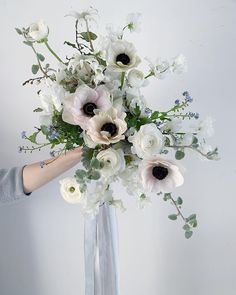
[(179, 212), (39, 63), (122, 80), (89, 37), (53, 53)]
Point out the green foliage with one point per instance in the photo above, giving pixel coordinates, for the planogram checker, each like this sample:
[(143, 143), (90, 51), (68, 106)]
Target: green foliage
[(84, 36), (188, 234), (35, 69), (179, 201), (18, 31), (179, 155), (38, 110), (33, 137), (40, 57), (172, 216), (154, 115), (28, 43), (167, 196), (70, 44)]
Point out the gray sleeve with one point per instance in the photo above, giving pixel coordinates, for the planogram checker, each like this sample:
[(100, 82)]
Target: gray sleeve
[(11, 184)]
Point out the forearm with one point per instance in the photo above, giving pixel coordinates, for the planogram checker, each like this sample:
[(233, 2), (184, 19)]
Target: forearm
[(34, 176)]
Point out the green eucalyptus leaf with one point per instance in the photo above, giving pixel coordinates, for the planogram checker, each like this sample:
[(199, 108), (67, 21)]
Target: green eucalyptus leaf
[(179, 201), (95, 163), (35, 69), (172, 216), (186, 227), (188, 234), (179, 155), (80, 173), (40, 57), (94, 175), (28, 43), (33, 137), (44, 129)]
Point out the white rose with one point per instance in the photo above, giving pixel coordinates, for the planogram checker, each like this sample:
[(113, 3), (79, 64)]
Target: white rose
[(70, 190), (148, 141), (38, 31), (113, 160), (136, 78)]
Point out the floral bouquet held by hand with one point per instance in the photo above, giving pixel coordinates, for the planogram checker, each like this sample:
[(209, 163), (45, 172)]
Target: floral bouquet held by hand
[(93, 99)]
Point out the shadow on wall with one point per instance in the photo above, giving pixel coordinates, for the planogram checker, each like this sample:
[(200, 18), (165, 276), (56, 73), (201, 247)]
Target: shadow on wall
[(18, 260)]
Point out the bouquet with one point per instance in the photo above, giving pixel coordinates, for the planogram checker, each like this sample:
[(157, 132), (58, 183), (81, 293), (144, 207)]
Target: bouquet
[(93, 99)]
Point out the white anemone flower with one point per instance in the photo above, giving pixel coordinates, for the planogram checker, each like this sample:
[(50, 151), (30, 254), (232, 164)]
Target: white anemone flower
[(107, 127), (79, 107), (121, 56), (159, 174)]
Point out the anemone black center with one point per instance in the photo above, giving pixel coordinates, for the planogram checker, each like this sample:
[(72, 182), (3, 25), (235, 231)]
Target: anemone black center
[(159, 172), (124, 58), (109, 127), (88, 108)]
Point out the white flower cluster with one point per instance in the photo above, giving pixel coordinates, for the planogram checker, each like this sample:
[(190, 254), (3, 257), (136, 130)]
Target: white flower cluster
[(98, 94)]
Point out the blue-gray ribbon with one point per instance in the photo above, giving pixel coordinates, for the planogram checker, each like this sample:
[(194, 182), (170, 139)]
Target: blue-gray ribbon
[(101, 253)]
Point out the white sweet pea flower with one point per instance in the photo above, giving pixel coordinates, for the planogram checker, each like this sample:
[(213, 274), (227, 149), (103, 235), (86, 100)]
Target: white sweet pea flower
[(134, 99), (160, 68), (121, 56), (53, 97), (174, 125), (147, 142), (113, 160), (136, 78), (179, 64), (131, 180), (205, 128), (70, 190), (38, 31), (118, 204), (133, 22), (114, 33), (61, 73)]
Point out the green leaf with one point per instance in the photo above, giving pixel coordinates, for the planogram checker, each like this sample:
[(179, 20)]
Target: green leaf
[(87, 157), (94, 174), (172, 216), (35, 69), (167, 196), (179, 201), (28, 43), (44, 129), (188, 234), (33, 137), (80, 173), (179, 155), (84, 36), (18, 31), (195, 140), (193, 222), (40, 57), (192, 216), (70, 44), (83, 187), (95, 163), (154, 115), (186, 227), (38, 110)]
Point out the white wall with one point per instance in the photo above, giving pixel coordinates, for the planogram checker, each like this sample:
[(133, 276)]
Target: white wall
[(41, 239)]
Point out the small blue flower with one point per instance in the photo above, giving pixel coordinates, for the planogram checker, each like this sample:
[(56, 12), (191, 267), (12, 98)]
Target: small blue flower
[(196, 115), (188, 98), (148, 111), (177, 101), (52, 153), (54, 135), (20, 148), (42, 164), (23, 135)]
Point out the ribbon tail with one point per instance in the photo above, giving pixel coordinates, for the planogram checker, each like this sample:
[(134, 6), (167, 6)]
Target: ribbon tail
[(101, 253)]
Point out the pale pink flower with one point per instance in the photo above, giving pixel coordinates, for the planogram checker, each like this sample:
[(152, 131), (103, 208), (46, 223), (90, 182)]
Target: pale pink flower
[(107, 127), (79, 107), (160, 175)]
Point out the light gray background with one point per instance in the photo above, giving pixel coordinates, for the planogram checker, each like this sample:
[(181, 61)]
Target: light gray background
[(41, 238)]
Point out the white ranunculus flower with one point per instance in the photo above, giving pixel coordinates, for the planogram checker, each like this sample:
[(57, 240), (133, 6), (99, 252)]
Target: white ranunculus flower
[(121, 56), (179, 64), (133, 22), (113, 160), (136, 78), (70, 190), (38, 31), (147, 142)]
